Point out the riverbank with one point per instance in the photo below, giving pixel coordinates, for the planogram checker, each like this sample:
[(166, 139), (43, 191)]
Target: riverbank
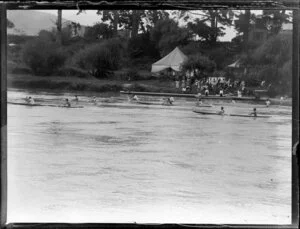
[(75, 84), (60, 84)]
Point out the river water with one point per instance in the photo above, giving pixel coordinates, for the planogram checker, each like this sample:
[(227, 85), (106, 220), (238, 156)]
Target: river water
[(149, 164)]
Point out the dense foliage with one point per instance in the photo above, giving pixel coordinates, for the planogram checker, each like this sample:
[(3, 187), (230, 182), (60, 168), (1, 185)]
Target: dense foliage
[(43, 57), (100, 59), (167, 34), (199, 64)]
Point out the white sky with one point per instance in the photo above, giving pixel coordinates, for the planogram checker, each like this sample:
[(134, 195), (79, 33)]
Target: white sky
[(90, 17)]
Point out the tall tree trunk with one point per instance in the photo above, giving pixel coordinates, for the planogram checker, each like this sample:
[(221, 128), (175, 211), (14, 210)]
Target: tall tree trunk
[(213, 24), (116, 22), (155, 17), (247, 29), (135, 23), (59, 26)]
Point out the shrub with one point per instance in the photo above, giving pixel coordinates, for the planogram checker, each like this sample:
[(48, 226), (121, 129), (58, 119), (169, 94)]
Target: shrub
[(200, 63), (43, 57), (72, 71), (132, 74), (100, 59)]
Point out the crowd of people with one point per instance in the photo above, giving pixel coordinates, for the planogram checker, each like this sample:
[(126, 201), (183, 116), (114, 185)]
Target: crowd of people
[(190, 83), (207, 87)]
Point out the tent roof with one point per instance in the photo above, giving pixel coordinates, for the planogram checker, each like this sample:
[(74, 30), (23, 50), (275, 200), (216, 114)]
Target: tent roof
[(236, 64), (173, 60)]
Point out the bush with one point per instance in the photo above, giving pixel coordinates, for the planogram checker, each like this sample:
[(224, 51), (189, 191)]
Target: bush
[(132, 74), (72, 71), (100, 59), (43, 57), (201, 63)]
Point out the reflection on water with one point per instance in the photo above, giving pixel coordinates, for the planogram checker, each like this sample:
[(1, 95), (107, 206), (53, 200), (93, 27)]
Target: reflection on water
[(106, 164)]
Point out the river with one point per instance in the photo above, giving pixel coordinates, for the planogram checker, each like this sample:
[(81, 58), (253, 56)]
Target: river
[(149, 164)]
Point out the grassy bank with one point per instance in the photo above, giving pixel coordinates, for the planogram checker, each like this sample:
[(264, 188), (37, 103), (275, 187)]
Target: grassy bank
[(91, 85), (58, 83)]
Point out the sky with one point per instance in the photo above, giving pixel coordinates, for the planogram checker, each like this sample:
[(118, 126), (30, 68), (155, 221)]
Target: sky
[(90, 17)]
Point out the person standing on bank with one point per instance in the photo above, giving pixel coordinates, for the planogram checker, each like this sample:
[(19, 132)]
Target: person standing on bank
[(221, 93), (206, 92)]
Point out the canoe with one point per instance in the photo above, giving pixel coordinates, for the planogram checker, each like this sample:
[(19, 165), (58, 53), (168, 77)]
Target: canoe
[(207, 112), (25, 104), (236, 115), (259, 116), (42, 105), (203, 105), (154, 103)]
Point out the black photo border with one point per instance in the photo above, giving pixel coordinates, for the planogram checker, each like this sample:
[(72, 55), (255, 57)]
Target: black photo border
[(155, 4)]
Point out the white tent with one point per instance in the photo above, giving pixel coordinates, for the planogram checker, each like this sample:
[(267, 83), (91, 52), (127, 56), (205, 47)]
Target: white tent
[(173, 60), (236, 64)]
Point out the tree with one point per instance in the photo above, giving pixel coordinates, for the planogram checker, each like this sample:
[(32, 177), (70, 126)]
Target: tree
[(10, 24), (141, 46), (203, 31), (133, 20), (199, 63), (272, 20), (153, 16), (44, 57), (100, 58), (243, 24), (276, 50), (59, 27), (272, 61), (47, 36), (210, 25), (98, 31), (166, 35), (112, 17)]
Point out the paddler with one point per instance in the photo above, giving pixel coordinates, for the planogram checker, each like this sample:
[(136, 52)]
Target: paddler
[(222, 111), (67, 103), (268, 102), (199, 102), (30, 100), (135, 98), (76, 99), (171, 100), (254, 113), (94, 100)]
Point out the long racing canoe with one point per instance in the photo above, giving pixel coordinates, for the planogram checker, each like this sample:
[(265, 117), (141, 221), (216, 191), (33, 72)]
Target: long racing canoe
[(236, 115), (42, 105)]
